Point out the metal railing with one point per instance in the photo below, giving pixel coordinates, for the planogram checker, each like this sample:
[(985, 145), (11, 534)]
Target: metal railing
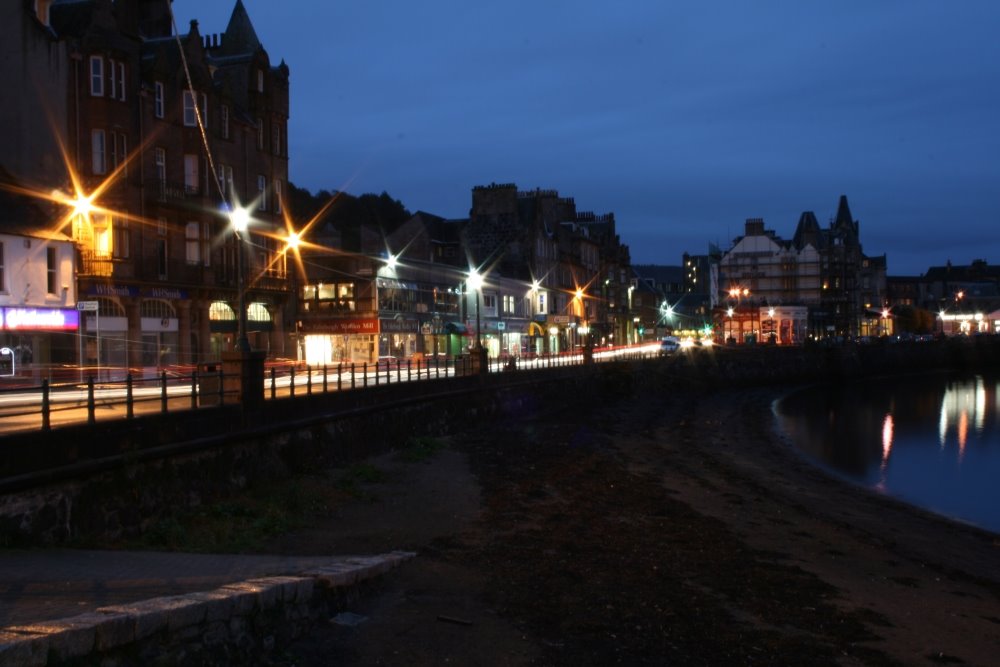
[(125, 394)]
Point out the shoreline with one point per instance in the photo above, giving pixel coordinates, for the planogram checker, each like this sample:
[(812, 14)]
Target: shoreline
[(650, 530)]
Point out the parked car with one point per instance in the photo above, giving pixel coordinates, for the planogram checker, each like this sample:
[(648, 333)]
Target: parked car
[(669, 345)]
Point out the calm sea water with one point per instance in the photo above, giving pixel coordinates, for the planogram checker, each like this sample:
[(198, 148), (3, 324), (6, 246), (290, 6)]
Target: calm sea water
[(932, 441)]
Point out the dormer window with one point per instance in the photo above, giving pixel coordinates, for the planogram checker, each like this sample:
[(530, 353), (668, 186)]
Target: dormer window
[(260, 81)]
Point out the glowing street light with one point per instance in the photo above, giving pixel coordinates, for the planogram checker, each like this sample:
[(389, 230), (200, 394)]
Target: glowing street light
[(239, 218), (475, 283)]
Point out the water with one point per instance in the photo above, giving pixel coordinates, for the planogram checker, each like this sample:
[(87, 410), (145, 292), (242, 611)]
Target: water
[(932, 441)]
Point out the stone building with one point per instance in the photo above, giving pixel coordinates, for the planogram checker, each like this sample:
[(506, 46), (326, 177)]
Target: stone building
[(155, 242), (763, 276)]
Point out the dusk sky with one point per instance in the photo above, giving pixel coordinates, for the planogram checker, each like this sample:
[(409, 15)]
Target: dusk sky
[(681, 118)]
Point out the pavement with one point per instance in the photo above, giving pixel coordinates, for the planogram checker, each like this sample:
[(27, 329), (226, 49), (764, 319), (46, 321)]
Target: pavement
[(47, 584)]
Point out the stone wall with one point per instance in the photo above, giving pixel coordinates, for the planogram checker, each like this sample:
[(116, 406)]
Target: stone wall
[(115, 479), (241, 623)]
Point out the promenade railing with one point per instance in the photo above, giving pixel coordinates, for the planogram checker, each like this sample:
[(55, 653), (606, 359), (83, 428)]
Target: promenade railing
[(73, 395)]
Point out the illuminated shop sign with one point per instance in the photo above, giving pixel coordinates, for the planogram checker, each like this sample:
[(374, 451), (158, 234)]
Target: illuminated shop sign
[(39, 319)]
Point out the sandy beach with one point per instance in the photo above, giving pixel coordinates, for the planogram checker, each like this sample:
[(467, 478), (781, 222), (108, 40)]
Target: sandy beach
[(659, 529)]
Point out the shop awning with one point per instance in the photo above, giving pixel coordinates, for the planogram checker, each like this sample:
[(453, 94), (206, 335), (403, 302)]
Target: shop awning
[(456, 328)]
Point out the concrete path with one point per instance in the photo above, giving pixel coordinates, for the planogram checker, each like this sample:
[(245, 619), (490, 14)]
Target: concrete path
[(44, 584)]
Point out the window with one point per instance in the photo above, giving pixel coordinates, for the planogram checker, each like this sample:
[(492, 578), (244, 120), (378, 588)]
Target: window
[(190, 173), (260, 81), (161, 258), (276, 138), (119, 151), (190, 116), (121, 81), (116, 79), (277, 196), (192, 242), (120, 241), (160, 162), (261, 192), (224, 120), (51, 270), (225, 180), (158, 99), (97, 151), (260, 134), (206, 244), (97, 76)]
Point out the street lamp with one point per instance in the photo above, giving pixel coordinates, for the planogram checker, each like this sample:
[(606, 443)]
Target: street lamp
[(475, 283), (240, 220)]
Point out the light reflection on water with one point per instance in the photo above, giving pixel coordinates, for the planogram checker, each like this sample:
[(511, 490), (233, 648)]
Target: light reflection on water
[(932, 441)]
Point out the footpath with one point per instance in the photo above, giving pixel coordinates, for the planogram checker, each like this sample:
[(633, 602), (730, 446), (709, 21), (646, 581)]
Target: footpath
[(68, 605)]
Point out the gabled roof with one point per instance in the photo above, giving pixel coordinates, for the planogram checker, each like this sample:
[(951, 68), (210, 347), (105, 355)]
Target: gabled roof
[(807, 232)]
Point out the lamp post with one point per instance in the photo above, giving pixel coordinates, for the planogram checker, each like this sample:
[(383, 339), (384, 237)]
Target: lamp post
[(240, 220), (475, 283)]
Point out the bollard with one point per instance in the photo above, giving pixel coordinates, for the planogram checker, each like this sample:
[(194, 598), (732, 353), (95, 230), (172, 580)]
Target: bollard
[(291, 381), (309, 380), (364, 379), (340, 375), (352, 375), (163, 391), (324, 377), (46, 424), (129, 407), (409, 366), (399, 370), (194, 390), (274, 384), (91, 418)]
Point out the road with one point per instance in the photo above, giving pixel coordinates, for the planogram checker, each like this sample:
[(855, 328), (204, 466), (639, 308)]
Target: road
[(21, 409)]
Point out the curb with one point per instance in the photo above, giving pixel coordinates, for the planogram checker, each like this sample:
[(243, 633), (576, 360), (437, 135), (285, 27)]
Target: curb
[(235, 622)]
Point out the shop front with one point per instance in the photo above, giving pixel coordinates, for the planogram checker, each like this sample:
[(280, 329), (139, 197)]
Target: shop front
[(329, 340), (39, 335), (442, 338)]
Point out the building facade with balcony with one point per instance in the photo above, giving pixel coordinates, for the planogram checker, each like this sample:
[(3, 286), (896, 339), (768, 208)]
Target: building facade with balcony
[(154, 162)]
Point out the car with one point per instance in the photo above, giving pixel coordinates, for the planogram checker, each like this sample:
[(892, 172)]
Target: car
[(669, 345)]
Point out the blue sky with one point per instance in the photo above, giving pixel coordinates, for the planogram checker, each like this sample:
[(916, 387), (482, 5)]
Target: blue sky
[(681, 118)]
